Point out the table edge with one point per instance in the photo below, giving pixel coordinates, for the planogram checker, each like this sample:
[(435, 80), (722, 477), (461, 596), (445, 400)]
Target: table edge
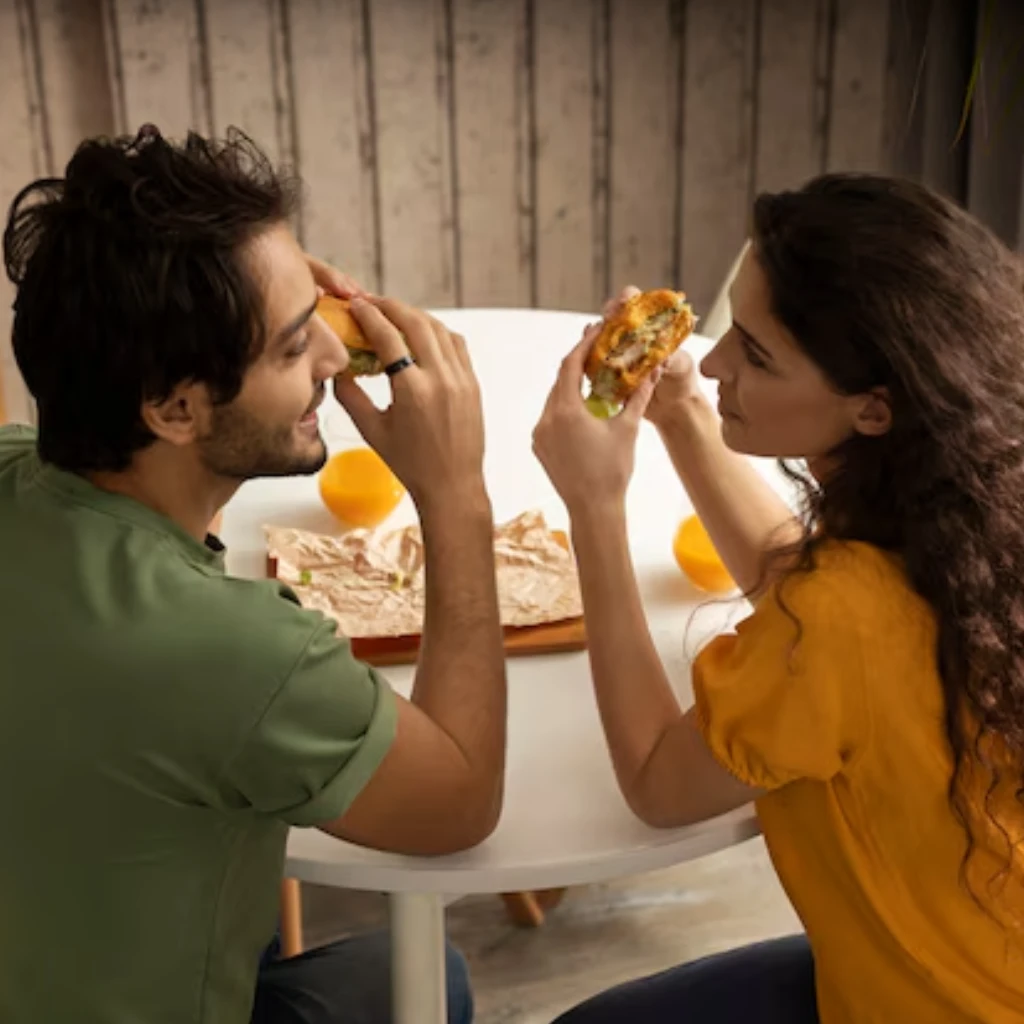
[(420, 874)]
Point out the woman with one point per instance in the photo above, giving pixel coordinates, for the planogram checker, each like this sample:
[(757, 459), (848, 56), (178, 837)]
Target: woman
[(873, 703)]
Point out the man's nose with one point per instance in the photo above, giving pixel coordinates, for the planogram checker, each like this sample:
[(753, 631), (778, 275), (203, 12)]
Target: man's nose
[(335, 358)]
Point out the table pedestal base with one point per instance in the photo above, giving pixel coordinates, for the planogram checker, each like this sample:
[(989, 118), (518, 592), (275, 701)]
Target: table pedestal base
[(418, 983)]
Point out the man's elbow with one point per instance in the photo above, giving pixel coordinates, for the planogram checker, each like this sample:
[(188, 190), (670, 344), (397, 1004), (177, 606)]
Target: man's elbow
[(477, 826), (465, 816), (473, 823)]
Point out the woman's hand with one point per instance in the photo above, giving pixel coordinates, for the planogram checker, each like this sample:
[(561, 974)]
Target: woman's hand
[(678, 381), (589, 460), (678, 386)]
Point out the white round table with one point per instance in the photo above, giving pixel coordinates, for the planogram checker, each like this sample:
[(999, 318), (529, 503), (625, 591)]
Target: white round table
[(565, 821)]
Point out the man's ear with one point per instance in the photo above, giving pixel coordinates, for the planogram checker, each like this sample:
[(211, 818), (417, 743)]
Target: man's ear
[(873, 413), (180, 418)]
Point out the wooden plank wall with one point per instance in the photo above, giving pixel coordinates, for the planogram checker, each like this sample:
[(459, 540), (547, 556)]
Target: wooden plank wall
[(55, 91), (519, 152)]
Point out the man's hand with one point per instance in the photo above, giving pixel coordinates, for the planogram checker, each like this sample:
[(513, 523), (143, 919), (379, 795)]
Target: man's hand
[(441, 785), (332, 280), (432, 434)]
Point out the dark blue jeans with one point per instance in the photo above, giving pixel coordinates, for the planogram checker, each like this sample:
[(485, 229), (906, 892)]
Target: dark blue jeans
[(769, 983), (347, 982)]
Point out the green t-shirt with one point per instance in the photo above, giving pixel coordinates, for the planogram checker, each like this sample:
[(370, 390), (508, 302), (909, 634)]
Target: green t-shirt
[(161, 725)]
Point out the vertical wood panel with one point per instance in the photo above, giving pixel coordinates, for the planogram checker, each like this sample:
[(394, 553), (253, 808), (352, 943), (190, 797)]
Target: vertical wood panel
[(718, 141), (601, 129), (997, 127), (569, 84), (492, 146), (244, 48), (23, 156), (412, 86), (792, 92), (53, 79), (646, 40), (335, 145), (249, 76), (857, 98), (516, 152), (75, 80), (158, 65)]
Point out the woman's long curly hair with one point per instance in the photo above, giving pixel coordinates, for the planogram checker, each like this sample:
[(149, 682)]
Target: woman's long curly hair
[(885, 284)]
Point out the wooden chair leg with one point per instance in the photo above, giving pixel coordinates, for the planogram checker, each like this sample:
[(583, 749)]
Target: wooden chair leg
[(523, 909), (548, 899), (291, 918)]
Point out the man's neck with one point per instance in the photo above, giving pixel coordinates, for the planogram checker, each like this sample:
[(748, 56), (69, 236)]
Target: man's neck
[(173, 485)]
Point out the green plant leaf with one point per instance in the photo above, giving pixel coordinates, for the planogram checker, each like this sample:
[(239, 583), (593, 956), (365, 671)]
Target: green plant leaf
[(979, 59)]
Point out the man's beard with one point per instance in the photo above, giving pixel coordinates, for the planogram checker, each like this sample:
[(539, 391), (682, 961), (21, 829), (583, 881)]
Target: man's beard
[(241, 447)]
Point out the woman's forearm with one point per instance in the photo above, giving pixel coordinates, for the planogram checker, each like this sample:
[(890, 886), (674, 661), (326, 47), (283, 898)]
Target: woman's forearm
[(743, 515), (634, 697)]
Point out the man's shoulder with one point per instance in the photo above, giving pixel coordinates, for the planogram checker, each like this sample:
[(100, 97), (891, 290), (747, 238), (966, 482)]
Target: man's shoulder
[(229, 645), (254, 636), (259, 622), (17, 440)]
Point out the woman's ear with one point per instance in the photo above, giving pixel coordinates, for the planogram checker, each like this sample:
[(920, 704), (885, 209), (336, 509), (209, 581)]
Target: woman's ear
[(872, 414), (180, 418)]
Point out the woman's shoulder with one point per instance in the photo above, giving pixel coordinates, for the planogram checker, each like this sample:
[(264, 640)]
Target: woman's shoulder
[(854, 560), (851, 581)]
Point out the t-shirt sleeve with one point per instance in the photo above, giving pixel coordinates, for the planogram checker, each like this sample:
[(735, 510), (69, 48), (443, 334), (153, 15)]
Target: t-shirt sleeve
[(784, 698), (16, 438), (321, 738)]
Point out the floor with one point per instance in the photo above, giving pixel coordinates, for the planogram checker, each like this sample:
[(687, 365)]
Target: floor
[(600, 935)]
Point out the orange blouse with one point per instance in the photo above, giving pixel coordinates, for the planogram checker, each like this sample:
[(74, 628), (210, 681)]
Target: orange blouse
[(843, 723)]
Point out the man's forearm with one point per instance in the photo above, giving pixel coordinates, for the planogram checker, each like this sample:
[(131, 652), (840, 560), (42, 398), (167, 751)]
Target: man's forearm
[(743, 515), (460, 681)]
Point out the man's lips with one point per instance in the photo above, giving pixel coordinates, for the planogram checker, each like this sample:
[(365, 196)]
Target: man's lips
[(310, 415)]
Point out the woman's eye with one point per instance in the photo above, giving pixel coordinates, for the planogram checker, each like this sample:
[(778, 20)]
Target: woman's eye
[(753, 357)]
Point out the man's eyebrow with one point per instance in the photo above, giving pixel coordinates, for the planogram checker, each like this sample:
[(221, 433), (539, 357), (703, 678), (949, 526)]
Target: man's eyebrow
[(754, 343), (290, 328)]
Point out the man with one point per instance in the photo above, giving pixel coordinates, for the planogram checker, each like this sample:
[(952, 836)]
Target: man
[(162, 724)]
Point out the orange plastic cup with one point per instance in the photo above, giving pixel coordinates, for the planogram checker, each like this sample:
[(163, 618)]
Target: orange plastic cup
[(698, 558), (359, 488)]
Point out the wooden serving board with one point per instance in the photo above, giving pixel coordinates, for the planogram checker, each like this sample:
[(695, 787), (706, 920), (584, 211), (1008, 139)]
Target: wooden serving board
[(549, 638)]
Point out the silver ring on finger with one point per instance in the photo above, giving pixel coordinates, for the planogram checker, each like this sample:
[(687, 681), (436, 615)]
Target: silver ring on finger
[(398, 365)]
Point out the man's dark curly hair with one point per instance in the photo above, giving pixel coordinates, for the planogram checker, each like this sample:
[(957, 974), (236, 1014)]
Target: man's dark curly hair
[(131, 279)]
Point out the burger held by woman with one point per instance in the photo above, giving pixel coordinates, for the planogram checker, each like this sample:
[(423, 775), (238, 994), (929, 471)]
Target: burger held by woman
[(872, 704)]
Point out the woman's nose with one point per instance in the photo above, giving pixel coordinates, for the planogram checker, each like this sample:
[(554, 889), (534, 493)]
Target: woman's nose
[(717, 364)]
